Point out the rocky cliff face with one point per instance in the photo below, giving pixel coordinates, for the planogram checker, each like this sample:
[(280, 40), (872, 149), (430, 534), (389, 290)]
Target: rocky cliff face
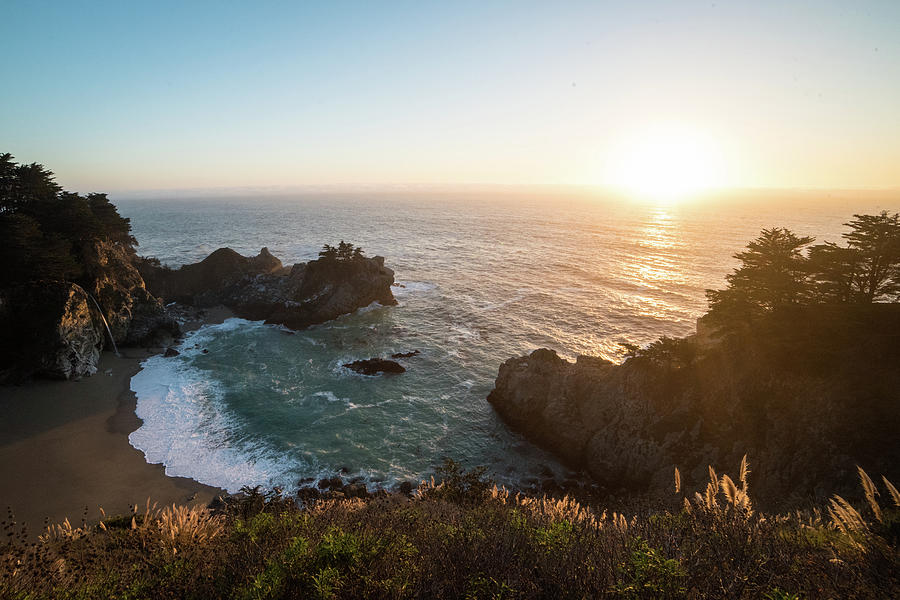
[(629, 425), (54, 329), (261, 288), (51, 331), (134, 315)]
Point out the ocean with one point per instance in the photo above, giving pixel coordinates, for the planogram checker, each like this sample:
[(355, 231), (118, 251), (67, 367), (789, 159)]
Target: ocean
[(481, 278)]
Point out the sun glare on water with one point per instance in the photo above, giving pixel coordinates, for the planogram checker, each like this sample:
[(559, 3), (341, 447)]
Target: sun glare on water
[(666, 166)]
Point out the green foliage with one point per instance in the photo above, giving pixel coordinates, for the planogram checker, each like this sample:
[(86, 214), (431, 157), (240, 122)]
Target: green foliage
[(482, 587), (43, 228), (343, 253), (427, 547), (673, 353), (647, 573), (778, 594), (459, 485), (774, 273)]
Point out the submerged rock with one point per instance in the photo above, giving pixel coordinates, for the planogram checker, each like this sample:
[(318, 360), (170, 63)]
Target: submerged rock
[(405, 354), (373, 366), (331, 483)]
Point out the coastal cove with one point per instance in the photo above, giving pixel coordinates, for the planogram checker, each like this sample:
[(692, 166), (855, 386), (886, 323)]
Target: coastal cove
[(474, 288), (464, 301)]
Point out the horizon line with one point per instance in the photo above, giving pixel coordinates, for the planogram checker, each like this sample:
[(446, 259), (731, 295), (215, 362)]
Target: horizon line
[(339, 188)]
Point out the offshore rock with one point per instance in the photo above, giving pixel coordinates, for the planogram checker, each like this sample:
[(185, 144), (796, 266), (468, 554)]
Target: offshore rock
[(205, 283), (374, 366), (801, 419), (261, 288)]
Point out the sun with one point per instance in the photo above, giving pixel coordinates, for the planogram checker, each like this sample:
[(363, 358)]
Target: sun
[(666, 165)]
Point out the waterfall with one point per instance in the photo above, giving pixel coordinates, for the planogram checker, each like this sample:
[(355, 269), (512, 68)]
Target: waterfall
[(102, 316)]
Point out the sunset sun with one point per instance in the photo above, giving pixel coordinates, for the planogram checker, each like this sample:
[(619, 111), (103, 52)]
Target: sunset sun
[(666, 165)]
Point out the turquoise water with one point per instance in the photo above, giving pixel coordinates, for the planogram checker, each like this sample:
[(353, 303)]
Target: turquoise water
[(483, 279)]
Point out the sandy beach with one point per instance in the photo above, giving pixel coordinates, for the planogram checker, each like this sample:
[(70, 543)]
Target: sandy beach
[(64, 447)]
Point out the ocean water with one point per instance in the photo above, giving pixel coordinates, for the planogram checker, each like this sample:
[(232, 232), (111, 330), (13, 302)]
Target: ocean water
[(482, 278)]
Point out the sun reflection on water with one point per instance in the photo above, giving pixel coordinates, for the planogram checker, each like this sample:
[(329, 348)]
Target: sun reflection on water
[(655, 265)]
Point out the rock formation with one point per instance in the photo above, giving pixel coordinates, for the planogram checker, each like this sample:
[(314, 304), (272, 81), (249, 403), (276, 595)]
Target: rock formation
[(374, 366), (135, 316), (801, 422), (261, 288), (54, 329), (51, 331)]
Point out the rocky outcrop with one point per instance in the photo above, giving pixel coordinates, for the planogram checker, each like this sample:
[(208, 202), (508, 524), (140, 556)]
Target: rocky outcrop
[(54, 328), (802, 424), (261, 288), (374, 366), (209, 281), (50, 331), (135, 316)]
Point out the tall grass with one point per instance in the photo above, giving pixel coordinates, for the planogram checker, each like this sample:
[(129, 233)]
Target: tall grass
[(463, 537)]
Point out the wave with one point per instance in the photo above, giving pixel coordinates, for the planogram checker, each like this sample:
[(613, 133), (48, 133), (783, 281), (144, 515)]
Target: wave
[(408, 288), (186, 429)]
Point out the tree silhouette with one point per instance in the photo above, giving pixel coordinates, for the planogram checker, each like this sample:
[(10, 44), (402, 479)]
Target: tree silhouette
[(345, 251), (833, 270), (328, 253), (773, 273), (875, 240), (43, 228)]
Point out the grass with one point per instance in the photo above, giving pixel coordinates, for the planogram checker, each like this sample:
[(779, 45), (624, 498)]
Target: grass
[(464, 538)]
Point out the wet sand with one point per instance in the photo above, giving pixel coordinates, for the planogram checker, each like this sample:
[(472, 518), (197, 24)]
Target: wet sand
[(64, 447)]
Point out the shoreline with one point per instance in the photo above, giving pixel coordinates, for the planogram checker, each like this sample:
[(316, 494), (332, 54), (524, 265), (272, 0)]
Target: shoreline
[(64, 449)]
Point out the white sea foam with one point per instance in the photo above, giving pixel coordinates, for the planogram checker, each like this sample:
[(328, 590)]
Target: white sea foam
[(373, 306), (185, 427), (407, 288)]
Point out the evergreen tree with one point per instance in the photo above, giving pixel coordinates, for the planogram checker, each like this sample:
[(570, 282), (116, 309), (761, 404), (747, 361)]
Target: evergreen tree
[(43, 227), (875, 240), (345, 251), (328, 253), (773, 273), (833, 270)]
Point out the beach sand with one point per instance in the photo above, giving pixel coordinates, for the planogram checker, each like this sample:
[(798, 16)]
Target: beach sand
[(64, 447)]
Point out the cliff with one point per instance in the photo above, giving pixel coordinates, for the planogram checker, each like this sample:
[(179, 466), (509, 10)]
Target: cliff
[(261, 288), (808, 396), (52, 328)]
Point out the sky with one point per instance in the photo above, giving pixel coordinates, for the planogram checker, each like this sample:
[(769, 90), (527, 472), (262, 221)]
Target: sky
[(126, 96)]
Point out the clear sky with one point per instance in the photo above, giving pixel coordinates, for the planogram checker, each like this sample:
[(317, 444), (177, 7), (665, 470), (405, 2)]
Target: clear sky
[(158, 95)]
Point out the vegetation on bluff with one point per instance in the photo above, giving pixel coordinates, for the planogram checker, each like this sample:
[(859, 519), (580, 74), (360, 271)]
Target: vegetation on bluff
[(775, 273), (344, 252), (819, 306), (44, 229), (465, 538)]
